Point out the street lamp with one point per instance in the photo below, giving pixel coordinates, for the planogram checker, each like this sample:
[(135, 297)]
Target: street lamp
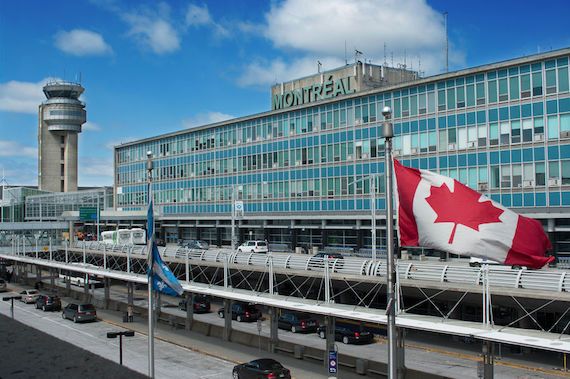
[(388, 133), (12, 298), (126, 333)]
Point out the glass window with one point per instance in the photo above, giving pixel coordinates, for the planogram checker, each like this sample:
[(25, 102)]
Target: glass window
[(431, 102), (482, 135), (515, 131), (451, 136), (550, 81), (563, 79), (422, 103), (540, 174), (565, 123), (451, 98), (480, 93), (503, 90), (506, 176), (460, 97), (514, 87), (525, 86), (495, 177), (553, 170), (493, 134), (536, 83), (565, 172), (442, 140), (505, 131), (492, 89), (539, 125), (441, 100), (553, 127), (517, 177), (470, 95), (462, 138), (527, 130), (413, 105)]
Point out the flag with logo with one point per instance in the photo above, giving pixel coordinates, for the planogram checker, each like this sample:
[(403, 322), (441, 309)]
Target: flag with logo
[(158, 272), (438, 212)]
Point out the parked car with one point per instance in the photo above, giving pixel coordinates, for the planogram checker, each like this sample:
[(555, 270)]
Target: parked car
[(79, 312), (318, 260), (254, 247), (297, 322), (347, 335), (201, 304), (160, 242), (478, 262), (261, 368), (196, 244), (3, 285), (29, 296), (242, 312), (48, 303)]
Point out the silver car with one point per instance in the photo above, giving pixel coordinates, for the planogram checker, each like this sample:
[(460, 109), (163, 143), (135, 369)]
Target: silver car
[(29, 296)]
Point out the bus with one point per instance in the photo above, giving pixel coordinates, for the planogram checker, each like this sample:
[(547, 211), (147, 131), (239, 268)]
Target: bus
[(135, 236), (79, 279)]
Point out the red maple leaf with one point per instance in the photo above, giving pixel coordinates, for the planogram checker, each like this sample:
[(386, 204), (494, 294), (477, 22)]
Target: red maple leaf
[(461, 206)]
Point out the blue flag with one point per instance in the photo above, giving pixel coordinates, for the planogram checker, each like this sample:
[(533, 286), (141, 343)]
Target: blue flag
[(163, 279), (149, 216)]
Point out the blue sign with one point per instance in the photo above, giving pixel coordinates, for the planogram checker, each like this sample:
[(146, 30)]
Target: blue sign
[(333, 362)]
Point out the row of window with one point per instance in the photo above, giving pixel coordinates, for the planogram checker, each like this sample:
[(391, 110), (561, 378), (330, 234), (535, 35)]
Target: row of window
[(504, 134)]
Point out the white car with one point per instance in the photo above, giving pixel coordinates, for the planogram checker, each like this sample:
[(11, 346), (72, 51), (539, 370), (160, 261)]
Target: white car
[(253, 247), (29, 296)]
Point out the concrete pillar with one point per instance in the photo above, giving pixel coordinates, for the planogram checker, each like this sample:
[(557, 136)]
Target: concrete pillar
[(227, 320), (266, 234), (242, 234), (189, 310), (38, 274), (198, 233), (67, 286), (52, 274), (86, 290), (359, 239), (488, 360), (324, 237), (273, 329), (401, 352), (107, 292), (219, 236), (330, 322), (294, 238)]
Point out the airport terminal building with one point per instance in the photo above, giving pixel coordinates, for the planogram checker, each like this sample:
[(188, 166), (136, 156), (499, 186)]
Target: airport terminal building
[(301, 172)]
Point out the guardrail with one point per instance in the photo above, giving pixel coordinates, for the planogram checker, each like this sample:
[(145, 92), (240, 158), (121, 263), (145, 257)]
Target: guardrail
[(554, 280)]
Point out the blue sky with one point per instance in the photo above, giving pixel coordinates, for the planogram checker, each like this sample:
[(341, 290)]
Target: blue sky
[(152, 67)]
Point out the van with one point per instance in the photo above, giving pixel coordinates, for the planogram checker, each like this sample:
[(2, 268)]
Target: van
[(253, 247)]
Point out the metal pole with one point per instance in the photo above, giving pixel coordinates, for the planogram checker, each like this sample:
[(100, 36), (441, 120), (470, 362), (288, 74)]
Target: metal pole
[(149, 168), (50, 251), (37, 251), (373, 210), (390, 272), (121, 349), (98, 217), (233, 217)]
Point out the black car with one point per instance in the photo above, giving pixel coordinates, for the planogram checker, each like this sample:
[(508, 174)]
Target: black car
[(347, 335), (201, 304), (297, 322), (48, 303), (266, 368), (317, 261), (242, 312)]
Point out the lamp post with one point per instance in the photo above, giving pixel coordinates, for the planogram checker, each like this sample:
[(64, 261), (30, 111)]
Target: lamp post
[(388, 133), (126, 333), (11, 299), (150, 228)]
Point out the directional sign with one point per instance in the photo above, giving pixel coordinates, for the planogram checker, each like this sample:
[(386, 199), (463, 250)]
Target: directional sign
[(88, 213), (239, 206), (333, 361)]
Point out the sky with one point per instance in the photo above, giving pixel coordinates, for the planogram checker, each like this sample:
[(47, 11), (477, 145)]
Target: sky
[(152, 67)]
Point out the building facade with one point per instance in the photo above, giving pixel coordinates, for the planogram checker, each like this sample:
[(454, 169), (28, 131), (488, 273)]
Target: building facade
[(302, 172), (59, 122)]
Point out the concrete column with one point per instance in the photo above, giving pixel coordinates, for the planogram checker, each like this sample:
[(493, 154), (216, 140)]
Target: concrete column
[(130, 293), (227, 320), (38, 274), (324, 237), (219, 236), (189, 310), (266, 234), (330, 322), (273, 329), (198, 233), (52, 274), (86, 290), (294, 238), (359, 239), (488, 360), (107, 292), (67, 286)]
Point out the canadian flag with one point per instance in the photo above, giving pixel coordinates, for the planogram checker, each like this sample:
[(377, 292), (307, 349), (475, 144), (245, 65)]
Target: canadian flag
[(439, 212)]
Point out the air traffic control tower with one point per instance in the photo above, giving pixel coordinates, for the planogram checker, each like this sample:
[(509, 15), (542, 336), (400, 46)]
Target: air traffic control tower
[(60, 120)]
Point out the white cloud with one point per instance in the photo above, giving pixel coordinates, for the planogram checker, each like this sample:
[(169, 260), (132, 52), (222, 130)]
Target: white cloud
[(205, 119), (152, 29), (22, 97), (266, 73), (200, 16), (20, 171), (95, 171), (16, 149), (90, 127), (81, 42), (319, 29)]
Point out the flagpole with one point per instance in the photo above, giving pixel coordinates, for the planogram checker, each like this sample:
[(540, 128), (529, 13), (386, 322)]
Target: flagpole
[(150, 240), (388, 133)]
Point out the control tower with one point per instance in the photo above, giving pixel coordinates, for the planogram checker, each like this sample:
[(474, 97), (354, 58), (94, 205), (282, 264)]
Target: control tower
[(60, 119)]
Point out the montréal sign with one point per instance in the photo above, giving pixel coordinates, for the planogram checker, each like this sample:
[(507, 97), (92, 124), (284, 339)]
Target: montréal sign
[(328, 89)]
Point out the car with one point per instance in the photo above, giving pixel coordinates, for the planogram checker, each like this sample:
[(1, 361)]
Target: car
[(160, 242), (79, 312), (29, 296), (196, 244), (254, 247), (48, 303), (347, 335), (478, 262), (261, 368), (201, 304), (242, 312), (297, 322), (317, 260), (3, 285)]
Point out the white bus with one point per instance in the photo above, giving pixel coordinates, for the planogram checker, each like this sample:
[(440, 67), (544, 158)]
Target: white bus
[(135, 236)]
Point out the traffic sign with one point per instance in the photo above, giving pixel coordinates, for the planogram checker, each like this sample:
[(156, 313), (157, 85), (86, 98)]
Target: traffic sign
[(239, 206), (88, 214), (333, 362)]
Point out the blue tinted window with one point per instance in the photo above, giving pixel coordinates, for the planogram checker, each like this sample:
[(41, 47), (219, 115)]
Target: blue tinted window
[(540, 199), (554, 198), (517, 200)]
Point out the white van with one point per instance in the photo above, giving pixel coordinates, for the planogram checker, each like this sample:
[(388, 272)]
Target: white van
[(253, 247)]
